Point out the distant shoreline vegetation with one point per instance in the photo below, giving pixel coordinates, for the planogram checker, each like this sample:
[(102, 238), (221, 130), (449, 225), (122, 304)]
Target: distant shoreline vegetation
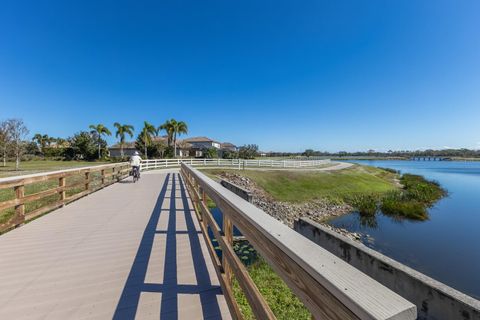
[(452, 154), (411, 201)]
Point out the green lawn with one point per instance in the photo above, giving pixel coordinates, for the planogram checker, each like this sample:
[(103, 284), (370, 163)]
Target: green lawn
[(302, 186), (28, 167)]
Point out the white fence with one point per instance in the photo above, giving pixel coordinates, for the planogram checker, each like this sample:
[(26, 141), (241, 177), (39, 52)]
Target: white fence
[(234, 163)]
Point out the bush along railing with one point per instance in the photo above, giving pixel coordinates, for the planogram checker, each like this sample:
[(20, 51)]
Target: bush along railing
[(23, 198), (233, 163), (326, 285)]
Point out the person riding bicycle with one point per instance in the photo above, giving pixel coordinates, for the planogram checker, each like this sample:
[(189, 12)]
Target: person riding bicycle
[(135, 162)]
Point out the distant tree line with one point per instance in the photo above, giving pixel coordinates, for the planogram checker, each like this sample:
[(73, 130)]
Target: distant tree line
[(451, 153)]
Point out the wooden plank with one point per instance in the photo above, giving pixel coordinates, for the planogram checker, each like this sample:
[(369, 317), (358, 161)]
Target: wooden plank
[(327, 285), (38, 212), (42, 194), (8, 204)]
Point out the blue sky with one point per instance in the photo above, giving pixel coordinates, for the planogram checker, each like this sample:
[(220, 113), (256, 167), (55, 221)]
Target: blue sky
[(287, 75)]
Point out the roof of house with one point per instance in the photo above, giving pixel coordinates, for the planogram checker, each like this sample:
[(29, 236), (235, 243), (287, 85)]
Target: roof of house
[(199, 139), (182, 144), (160, 139), (126, 145), (228, 145)]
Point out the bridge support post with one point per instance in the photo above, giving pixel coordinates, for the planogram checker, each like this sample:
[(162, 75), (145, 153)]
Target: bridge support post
[(19, 209), (87, 180), (228, 235), (61, 184)]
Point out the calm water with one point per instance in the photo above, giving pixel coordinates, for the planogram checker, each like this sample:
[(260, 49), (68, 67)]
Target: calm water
[(446, 247)]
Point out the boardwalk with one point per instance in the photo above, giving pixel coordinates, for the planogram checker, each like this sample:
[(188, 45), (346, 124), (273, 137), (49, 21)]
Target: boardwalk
[(127, 251)]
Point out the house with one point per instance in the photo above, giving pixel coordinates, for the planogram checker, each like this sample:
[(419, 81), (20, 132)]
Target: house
[(199, 144), (227, 146), (128, 150), (184, 149)]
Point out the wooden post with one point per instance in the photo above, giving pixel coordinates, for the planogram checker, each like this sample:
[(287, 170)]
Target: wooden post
[(228, 235), (103, 177), (19, 209), (61, 184), (87, 180)]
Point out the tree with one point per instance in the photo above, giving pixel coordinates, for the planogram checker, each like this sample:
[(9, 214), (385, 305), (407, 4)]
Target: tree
[(210, 153), (4, 140), (17, 132), (229, 154), (146, 136), (83, 145), (174, 128), (100, 130), (169, 127), (309, 153), (122, 130), (41, 141), (249, 151), (178, 129)]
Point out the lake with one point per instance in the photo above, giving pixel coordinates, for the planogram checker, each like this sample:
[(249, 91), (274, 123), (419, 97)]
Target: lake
[(447, 246)]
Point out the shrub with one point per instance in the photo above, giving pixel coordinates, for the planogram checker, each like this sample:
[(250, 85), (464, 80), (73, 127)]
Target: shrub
[(366, 204)]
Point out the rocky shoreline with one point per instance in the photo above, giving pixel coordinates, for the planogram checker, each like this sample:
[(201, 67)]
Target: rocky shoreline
[(317, 210)]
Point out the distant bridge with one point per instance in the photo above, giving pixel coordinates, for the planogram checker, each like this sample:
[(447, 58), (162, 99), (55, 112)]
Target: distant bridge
[(424, 158)]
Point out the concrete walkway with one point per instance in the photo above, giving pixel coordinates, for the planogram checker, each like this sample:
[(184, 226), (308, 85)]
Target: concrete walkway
[(127, 251)]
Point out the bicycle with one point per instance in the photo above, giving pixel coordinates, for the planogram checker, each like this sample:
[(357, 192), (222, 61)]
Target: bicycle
[(136, 174)]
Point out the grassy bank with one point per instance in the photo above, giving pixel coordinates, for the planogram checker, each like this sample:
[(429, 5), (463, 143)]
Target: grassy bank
[(366, 189), (303, 186)]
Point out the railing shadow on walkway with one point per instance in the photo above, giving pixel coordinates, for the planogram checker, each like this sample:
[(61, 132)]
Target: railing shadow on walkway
[(128, 304)]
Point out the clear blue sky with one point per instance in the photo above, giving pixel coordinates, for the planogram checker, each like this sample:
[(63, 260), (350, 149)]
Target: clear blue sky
[(287, 75)]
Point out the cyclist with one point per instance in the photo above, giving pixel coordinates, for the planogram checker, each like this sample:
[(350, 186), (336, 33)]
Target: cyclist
[(135, 162)]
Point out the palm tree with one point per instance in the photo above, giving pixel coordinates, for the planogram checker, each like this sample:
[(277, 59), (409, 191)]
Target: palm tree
[(169, 127), (147, 132), (179, 128), (41, 141), (100, 130), (122, 130)]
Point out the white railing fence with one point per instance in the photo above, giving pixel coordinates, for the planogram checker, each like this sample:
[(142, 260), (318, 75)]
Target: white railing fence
[(233, 163)]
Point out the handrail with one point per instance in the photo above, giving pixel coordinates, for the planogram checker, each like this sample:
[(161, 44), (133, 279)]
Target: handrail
[(234, 163), (329, 287), (109, 173)]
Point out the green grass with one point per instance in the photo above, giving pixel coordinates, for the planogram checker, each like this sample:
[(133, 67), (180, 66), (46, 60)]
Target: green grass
[(303, 186), (28, 167), (282, 301), (412, 202)]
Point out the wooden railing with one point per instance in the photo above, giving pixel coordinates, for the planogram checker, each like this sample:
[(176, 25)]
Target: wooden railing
[(329, 287), (47, 191), (234, 163)]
